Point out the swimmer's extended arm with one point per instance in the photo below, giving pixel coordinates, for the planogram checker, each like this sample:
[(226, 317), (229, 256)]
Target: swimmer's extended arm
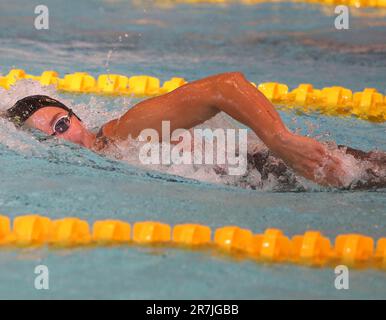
[(231, 93), (199, 101)]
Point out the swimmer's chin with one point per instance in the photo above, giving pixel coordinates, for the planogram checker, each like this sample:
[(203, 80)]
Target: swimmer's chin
[(87, 140)]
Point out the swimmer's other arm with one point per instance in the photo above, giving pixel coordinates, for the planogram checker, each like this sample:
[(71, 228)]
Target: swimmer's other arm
[(232, 93)]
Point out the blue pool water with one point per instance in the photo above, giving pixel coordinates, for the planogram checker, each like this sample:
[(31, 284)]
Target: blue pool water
[(290, 43)]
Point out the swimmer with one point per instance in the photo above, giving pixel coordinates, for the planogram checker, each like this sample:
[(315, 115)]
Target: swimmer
[(195, 103)]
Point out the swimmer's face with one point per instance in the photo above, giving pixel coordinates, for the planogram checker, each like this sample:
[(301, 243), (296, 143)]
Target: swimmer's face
[(44, 120)]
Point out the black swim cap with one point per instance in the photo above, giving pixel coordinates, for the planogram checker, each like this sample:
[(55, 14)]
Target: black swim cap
[(27, 106)]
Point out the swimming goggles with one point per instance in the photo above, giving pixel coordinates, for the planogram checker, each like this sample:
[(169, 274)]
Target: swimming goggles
[(62, 124)]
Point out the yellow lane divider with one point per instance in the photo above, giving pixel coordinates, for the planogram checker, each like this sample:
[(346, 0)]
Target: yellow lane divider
[(310, 249), (368, 104), (354, 3), (82, 82)]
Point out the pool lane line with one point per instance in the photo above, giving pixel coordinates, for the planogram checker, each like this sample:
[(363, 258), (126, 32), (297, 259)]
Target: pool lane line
[(368, 104), (309, 249), (353, 3)]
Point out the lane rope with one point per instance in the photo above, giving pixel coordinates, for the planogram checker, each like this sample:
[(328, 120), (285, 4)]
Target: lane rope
[(309, 249), (353, 3), (368, 104)]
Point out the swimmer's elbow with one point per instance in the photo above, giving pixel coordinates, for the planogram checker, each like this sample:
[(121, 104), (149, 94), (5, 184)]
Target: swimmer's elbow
[(233, 77)]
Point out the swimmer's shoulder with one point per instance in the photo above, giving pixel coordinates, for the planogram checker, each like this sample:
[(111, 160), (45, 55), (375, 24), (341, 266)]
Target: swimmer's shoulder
[(102, 141)]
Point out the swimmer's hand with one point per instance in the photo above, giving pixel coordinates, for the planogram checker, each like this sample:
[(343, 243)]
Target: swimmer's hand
[(312, 160)]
